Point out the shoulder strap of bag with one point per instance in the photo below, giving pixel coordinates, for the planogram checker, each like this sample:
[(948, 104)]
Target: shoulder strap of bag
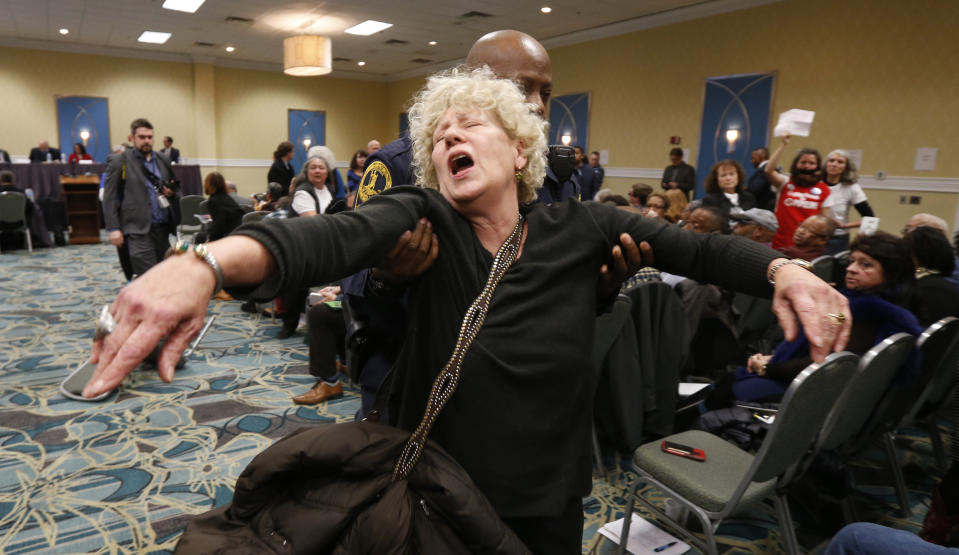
[(447, 380)]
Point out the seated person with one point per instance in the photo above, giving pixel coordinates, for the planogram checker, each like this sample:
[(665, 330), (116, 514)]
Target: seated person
[(44, 153), (79, 153), (726, 188), (274, 192), (638, 194), (656, 206), (6, 185), (878, 264), (867, 538), (756, 224), (810, 238), (327, 330), (931, 296), (224, 211), (677, 203)]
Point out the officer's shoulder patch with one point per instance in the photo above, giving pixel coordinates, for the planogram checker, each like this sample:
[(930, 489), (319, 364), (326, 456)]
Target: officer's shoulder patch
[(376, 179)]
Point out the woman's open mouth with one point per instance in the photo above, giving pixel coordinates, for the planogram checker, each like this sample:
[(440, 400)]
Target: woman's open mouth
[(459, 164)]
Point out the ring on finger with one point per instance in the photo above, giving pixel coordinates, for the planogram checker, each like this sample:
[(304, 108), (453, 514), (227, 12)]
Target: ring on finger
[(839, 317)]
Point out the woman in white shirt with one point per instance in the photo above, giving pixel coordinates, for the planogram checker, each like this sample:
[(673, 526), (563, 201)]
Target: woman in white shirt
[(840, 174)]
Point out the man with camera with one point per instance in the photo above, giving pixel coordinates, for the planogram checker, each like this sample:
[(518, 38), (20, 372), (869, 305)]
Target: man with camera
[(140, 206)]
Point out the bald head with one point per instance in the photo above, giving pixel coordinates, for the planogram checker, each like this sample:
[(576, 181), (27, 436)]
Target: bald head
[(519, 57), (927, 220)]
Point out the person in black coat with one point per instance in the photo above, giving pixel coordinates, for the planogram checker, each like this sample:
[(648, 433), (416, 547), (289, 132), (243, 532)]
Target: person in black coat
[(225, 212), (44, 153), (726, 188), (931, 296), (282, 170)]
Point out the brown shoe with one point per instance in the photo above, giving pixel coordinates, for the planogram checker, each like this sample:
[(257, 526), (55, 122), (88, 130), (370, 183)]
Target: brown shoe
[(320, 392)]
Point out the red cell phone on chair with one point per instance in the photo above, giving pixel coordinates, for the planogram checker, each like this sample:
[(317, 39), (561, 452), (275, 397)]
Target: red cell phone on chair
[(685, 451)]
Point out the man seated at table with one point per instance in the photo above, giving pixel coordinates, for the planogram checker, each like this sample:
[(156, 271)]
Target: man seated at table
[(44, 153)]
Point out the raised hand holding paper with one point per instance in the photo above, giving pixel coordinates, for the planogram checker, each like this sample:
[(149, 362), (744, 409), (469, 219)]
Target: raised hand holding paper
[(794, 122)]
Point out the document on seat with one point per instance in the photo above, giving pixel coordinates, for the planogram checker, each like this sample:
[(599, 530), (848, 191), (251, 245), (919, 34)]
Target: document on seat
[(644, 537), (795, 122), (687, 389)]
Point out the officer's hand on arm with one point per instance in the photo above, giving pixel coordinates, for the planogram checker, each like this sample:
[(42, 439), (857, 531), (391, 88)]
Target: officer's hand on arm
[(413, 254), (626, 261)]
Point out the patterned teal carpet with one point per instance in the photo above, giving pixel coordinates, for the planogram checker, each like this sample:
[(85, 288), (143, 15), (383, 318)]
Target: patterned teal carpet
[(125, 475)]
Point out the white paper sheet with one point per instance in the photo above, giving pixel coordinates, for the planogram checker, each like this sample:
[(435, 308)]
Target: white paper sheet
[(644, 537), (869, 225), (795, 122), (926, 159), (686, 389)]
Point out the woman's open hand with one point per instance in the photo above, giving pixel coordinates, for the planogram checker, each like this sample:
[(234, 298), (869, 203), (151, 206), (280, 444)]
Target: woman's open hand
[(168, 301), (802, 298)]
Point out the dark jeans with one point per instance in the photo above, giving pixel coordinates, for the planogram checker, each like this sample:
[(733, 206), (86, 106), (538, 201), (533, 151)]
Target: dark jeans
[(327, 339), (147, 249), (552, 535)]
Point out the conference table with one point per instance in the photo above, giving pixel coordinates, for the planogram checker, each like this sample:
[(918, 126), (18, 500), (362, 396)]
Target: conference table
[(48, 194)]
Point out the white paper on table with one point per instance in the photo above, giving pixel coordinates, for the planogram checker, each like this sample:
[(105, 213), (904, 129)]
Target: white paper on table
[(687, 388), (644, 537), (869, 225), (795, 122), (926, 159)]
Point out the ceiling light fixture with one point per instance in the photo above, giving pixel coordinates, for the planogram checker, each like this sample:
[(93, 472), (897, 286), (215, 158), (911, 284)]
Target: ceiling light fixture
[(189, 6), (307, 55), (546, 9), (368, 28), (432, 43), (64, 31), (361, 63), (154, 37), (230, 49)]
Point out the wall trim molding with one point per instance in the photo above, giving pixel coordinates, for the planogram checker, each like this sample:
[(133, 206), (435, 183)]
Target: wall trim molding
[(890, 183)]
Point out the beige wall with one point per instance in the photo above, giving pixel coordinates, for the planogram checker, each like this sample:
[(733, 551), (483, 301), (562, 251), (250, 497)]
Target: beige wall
[(212, 112), (883, 78)]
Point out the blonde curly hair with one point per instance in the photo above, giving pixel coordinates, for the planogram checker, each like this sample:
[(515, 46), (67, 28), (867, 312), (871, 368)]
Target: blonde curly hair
[(478, 89)]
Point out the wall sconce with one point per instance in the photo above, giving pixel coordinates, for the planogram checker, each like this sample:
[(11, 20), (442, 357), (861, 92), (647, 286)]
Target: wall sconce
[(566, 140), (732, 135), (84, 136), (306, 143)]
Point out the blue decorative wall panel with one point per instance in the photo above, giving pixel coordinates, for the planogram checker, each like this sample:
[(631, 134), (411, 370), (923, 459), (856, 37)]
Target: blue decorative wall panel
[(569, 115), (740, 102), (76, 114), (305, 124)]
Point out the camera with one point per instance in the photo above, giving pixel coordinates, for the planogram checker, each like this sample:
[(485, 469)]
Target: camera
[(259, 196)]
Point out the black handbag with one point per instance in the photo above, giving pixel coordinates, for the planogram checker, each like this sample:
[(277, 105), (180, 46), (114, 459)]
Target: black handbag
[(365, 487)]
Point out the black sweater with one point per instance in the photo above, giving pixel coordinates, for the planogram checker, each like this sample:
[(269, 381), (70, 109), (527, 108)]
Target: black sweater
[(519, 421)]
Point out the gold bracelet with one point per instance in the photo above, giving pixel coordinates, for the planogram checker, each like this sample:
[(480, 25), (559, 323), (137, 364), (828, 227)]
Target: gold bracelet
[(797, 261), (205, 255)]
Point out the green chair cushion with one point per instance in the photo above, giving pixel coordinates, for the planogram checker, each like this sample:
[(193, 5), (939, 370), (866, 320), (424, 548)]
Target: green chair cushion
[(708, 484)]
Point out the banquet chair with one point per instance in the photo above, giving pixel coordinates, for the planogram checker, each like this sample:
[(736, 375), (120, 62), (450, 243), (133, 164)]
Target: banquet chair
[(823, 267), (253, 217), (13, 215), (939, 345), (189, 208), (730, 479), (847, 422)]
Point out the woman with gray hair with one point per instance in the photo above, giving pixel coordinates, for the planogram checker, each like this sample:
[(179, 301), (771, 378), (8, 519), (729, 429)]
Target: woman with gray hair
[(317, 186), (845, 192), (519, 421)]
